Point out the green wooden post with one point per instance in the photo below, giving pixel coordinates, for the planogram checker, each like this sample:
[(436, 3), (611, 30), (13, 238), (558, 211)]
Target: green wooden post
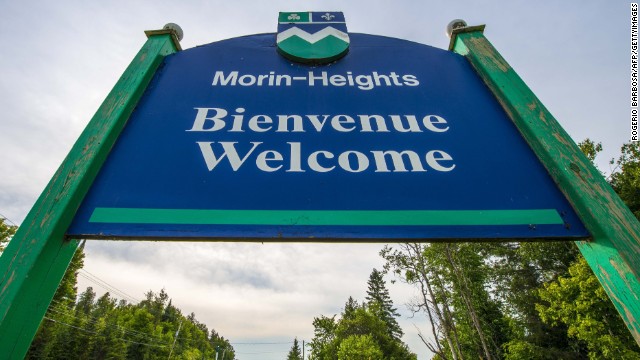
[(37, 257), (614, 251)]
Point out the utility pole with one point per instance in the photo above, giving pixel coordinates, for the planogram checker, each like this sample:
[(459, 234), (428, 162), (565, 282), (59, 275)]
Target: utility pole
[(174, 340), (302, 349)]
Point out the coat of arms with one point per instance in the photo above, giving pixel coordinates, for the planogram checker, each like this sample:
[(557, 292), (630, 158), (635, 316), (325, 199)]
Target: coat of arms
[(312, 37)]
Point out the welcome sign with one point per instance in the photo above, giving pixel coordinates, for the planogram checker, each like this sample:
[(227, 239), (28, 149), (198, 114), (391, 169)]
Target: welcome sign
[(395, 140)]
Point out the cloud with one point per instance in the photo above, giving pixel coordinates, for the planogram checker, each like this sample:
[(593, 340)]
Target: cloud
[(228, 283)]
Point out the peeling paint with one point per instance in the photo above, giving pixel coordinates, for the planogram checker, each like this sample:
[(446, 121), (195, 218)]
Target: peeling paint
[(612, 226), (624, 271)]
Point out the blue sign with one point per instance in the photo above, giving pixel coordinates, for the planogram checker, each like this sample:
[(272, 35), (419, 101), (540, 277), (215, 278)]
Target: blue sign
[(396, 140)]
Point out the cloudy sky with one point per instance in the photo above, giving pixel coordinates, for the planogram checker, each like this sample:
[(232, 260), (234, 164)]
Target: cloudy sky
[(60, 59)]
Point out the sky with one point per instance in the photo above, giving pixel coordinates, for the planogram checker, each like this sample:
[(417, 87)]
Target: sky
[(60, 59)]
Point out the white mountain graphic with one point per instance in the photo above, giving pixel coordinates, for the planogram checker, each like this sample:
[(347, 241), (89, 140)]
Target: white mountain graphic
[(312, 38)]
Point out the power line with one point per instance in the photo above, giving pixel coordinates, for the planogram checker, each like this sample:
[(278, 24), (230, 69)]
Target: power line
[(61, 309), (95, 333), (64, 311), (262, 343), (109, 289), (149, 337), (9, 220), (258, 353), (100, 281), (105, 285)]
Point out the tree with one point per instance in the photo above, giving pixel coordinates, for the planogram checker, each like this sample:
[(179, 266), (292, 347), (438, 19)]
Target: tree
[(626, 181), (380, 302), (63, 300), (407, 261), (295, 353), (578, 301), (67, 290), (105, 328), (324, 337), (516, 273), (453, 281), (6, 232), (359, 347), (362, 329)]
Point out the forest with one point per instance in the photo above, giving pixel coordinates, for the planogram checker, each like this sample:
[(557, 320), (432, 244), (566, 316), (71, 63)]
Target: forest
[(507, 300)]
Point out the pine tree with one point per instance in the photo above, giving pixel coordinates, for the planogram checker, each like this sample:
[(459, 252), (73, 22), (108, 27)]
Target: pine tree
[(380, 303), (295, 352), (350, 307)]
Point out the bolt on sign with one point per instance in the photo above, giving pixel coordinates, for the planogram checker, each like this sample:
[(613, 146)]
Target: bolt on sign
[(378, 138)]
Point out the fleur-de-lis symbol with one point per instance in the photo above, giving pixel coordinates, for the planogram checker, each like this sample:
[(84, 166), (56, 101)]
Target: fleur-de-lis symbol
[(328, 16), (294, 17)]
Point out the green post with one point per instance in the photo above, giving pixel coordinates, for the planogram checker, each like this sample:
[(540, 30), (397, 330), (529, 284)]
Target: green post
[(37, 257), (614, 250)]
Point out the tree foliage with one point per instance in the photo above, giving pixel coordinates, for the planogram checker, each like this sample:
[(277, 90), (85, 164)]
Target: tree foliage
[(6, 232), (626, 181), (106, 328), (578, 301), (295, 353), (359, 347), (362, 331), (379, 301)]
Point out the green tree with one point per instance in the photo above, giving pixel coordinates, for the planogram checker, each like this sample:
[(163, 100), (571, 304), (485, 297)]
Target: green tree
[(516, 273), (105, 328), (453, 280), (324, 338), (590, 149), (626, 180), (59, 308), (219, 342), (356, 322), (578, 301), (359, 347), (365, 321), (295, 352), (6, 232), (379, 300)]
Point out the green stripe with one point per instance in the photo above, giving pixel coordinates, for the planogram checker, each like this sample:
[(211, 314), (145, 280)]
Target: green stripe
[(291, 17), (325, 217)]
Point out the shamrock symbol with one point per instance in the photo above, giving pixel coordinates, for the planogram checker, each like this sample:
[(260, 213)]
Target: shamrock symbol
[(328, 16), (294, 17)]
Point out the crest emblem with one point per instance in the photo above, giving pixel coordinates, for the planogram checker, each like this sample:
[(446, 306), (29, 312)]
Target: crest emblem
[(312, 37)]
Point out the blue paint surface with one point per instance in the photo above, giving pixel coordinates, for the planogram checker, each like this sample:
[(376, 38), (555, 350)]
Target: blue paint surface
[(157, 163)]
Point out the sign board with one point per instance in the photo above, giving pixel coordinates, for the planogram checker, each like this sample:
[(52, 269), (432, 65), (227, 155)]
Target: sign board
[(396, 140), (393, 141)]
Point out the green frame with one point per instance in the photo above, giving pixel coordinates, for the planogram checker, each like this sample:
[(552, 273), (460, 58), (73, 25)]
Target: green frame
[(613, 253), (34, 262)]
